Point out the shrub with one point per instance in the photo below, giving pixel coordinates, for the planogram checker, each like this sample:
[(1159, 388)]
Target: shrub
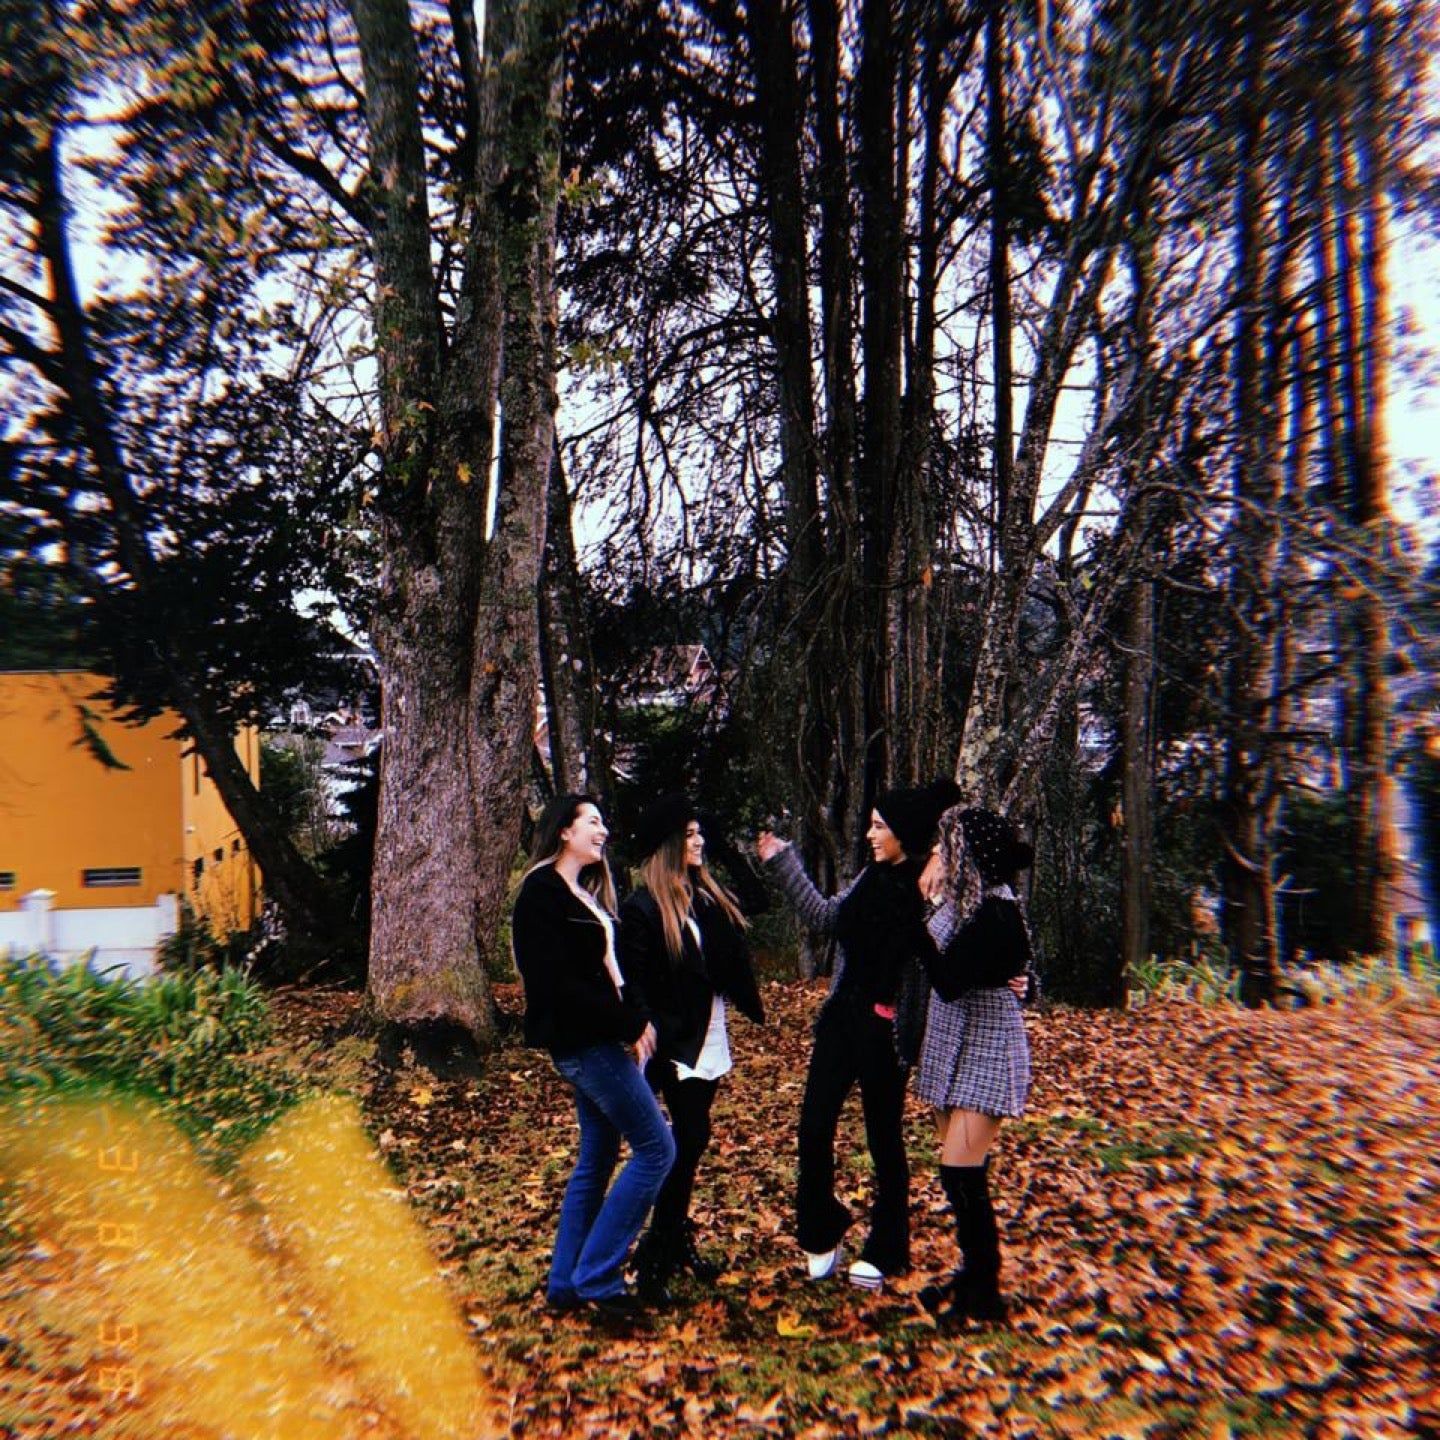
[(1381, 979), (1204, 976), (187, 1040)]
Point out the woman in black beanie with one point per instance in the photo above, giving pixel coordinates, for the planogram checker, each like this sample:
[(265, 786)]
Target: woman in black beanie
[(878, 921), (975, 1060), (683, 953)]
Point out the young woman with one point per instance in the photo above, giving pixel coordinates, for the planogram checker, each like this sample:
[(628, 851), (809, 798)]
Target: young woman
[(683, 955), (878, 922), (975, 1060), (576, 1006)]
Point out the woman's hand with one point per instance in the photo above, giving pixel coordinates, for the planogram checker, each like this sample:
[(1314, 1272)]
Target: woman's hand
[(932, 877), (1020, 985), (645, 1046), (768, 845)]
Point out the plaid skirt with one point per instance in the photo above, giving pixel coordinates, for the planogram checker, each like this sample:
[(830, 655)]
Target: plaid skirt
[(975, 1055)]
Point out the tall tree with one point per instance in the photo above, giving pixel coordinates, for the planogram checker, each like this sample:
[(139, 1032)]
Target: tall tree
[(155, 469), (1362, 197), (376, 161), (456, 626)]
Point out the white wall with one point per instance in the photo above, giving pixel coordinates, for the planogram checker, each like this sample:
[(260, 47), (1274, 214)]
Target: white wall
[(123, 938)]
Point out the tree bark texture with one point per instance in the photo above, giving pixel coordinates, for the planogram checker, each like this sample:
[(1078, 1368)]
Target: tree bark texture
[(457, 627), (844, 793), (1250, 803), (567, 667), (811, 619), (881, 241), (1373, 793)]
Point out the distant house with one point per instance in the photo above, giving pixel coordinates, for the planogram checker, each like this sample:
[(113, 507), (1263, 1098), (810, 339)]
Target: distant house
[(106, 828), (675, 675), (335, 724)]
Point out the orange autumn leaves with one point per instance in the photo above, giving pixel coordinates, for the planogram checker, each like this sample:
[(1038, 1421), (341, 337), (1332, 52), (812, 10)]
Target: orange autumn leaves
[(1217, 1223)]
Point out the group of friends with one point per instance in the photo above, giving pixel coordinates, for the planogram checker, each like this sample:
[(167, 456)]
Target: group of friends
[(932, 959)]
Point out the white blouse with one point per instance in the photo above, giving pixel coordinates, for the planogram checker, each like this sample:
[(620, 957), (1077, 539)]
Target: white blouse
[(713, 1061)]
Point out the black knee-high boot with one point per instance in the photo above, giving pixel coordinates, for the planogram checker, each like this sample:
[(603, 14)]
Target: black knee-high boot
[(942, 1293), (975, 1288)]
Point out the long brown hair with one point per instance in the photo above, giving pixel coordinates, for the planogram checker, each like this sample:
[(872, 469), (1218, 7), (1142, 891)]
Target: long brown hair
[(558, 816), (666, 876), (961, 878)]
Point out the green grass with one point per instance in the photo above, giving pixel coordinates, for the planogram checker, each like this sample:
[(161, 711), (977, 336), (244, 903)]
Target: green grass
[(1147, 1146)]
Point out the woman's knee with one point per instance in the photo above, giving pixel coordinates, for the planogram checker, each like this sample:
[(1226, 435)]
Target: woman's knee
[(891, 1164), (657, 1150), (816, 1131), (598, 1153), (693, 1141)]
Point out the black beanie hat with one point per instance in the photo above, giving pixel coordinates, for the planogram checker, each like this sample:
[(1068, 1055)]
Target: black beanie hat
[(667, 816), (995, 844), (914, 812)]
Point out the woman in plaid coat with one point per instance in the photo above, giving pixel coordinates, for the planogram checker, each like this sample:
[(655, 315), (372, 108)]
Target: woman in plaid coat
[(975, 1060)]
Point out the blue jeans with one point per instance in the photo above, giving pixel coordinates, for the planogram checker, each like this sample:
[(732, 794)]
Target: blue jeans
[(597, 1230)]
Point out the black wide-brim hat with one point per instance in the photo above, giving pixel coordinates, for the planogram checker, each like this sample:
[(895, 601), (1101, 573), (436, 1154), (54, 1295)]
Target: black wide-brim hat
[(662, 818)]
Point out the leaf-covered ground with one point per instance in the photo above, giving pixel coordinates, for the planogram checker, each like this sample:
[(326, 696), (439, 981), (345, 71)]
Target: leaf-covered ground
[(1217, 1222)]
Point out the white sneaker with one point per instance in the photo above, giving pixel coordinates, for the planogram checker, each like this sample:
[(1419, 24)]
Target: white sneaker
[(865, 1276), (822, 1264)]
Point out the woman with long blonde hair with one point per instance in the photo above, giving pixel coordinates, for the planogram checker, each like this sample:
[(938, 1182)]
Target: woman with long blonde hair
[(683, 953)]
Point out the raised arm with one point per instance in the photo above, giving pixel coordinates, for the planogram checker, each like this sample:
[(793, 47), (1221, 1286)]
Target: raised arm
[(815, 911)]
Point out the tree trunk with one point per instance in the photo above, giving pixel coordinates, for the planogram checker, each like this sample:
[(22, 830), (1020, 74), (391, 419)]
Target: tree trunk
[(1137, 858), (1250, 803), (845, 798), (918, 693), (809, 622), (1002, 447), (882, 342), (457, 627), (1373, 793), (1137, 786), (567, 667), (504, 678)]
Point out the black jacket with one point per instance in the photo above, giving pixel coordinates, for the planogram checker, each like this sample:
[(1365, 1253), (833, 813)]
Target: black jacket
[(570, 999), (991, 947), (881, 923), (677, 993)]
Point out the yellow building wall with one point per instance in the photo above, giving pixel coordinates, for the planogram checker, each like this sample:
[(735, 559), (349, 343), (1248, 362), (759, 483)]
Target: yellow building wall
[(221, 882), (62, 812)]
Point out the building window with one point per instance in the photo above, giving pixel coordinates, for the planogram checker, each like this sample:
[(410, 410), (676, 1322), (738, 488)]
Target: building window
[(7, 879), (235, 846), (198, 868), (219, 854), (110, 877)]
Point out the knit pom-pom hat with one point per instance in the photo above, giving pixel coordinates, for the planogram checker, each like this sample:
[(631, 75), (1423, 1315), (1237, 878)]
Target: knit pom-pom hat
[(913, 812), (995, 846)]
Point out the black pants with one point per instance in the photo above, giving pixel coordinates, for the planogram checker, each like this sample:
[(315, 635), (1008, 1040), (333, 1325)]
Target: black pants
[(853, 1044), (688, 1102)]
